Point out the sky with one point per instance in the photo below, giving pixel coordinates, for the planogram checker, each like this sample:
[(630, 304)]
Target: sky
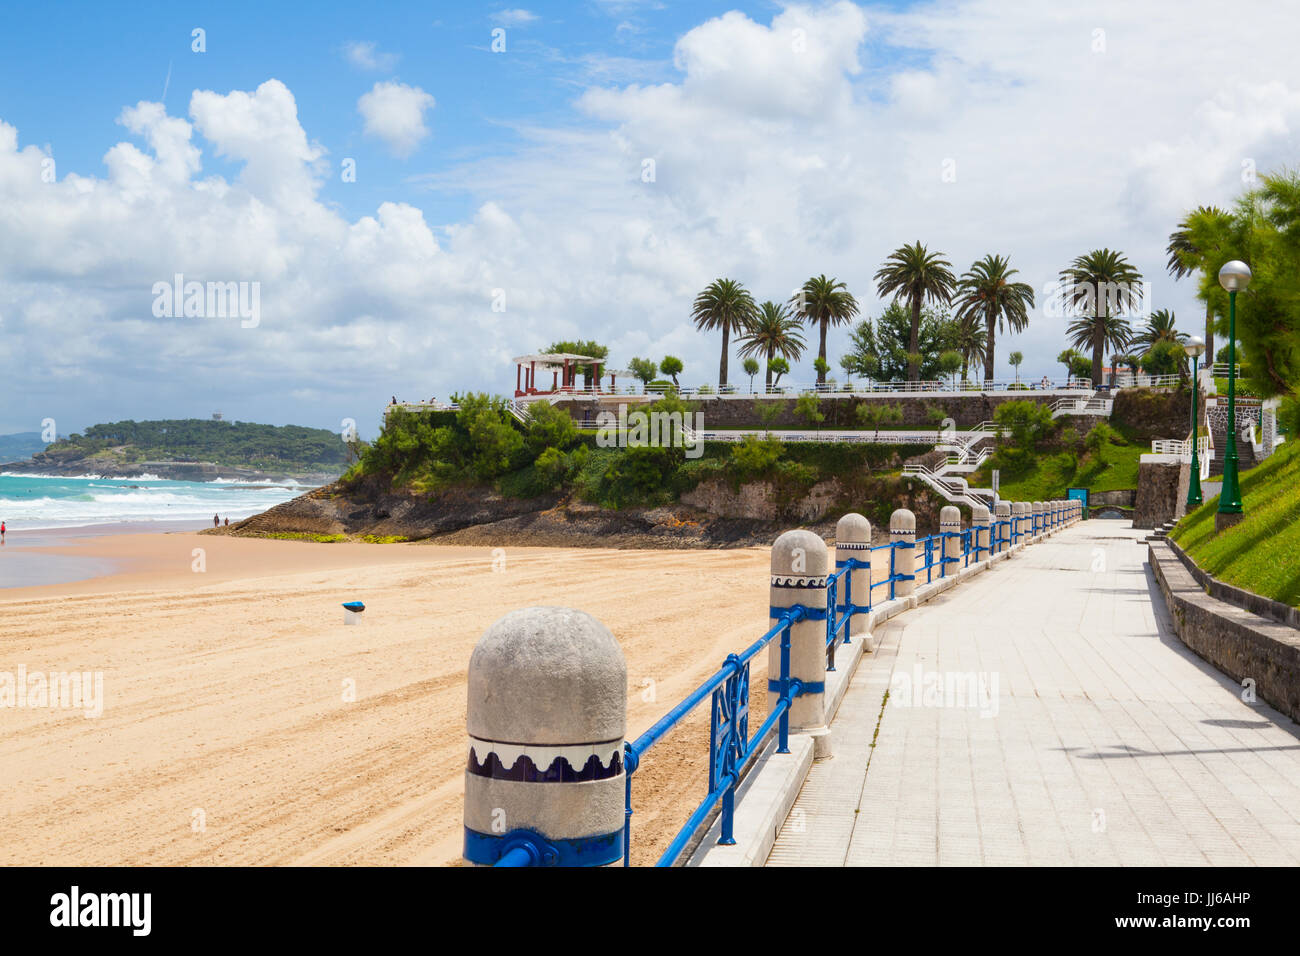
[(413, 193)]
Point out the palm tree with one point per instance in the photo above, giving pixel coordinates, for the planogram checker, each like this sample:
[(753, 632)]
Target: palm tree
[(824, 302), (971, 342), (918, 275), (1197, 246), (1160, 328), (1015, 358), (774, 332), (727, 305), (1102, 282), (987, 293)]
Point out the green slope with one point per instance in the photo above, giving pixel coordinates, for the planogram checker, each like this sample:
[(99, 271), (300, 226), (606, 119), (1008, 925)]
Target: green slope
[(1262, 553)]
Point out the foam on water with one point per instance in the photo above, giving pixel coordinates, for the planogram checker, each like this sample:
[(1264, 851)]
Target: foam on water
[(35, 501)]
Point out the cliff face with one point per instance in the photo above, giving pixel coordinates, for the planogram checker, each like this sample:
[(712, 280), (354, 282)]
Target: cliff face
[(714, 515)]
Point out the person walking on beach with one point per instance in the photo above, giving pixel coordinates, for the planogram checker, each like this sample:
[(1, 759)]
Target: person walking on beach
[(227, 522), (2, 532), (216, 521)]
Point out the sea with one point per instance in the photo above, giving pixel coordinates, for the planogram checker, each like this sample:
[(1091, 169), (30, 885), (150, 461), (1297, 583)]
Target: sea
[(32, 502)]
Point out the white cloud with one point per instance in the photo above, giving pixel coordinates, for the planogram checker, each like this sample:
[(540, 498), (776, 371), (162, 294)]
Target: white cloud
[(768, 168), (394, 112), (364, 56), (516, 17)]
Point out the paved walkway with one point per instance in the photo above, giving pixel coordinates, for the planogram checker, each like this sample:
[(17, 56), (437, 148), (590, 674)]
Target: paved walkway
[(1107, 742)]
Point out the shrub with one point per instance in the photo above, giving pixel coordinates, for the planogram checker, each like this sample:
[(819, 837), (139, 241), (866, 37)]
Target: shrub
[(1028, 422), (756, 456), (1101, 435)]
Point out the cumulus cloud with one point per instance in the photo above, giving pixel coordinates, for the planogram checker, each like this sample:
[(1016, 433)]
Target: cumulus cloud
[(773, 160), (364, 56), (394, 112)]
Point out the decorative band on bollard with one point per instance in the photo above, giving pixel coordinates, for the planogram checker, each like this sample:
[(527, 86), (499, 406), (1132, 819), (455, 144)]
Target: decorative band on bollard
[(853, 543), (981, 532), (902, 535), (800, 563), (1001, 526), (547, 716), (1039, 513), (950, 530)]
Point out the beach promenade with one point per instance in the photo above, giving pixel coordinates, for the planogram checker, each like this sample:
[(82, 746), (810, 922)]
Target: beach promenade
[(1106, 741)]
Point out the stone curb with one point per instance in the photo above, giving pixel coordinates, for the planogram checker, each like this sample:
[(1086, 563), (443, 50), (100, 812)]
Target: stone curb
[(1239, 643)]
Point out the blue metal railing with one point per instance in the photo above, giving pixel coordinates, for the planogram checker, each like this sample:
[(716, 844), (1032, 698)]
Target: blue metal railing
[(731, 749)]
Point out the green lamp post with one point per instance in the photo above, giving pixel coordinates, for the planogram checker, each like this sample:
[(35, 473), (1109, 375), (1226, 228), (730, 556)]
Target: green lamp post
[(1234, 277), (1195, 348)]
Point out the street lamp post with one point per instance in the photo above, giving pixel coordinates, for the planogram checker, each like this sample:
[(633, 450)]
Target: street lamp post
[(1234, 277), (1195, 347)]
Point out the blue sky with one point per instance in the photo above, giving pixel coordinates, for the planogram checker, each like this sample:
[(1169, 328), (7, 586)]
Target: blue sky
[(789, 140)]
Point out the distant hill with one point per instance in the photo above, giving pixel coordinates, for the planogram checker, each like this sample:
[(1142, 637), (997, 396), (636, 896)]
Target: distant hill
[(20, 445), (193, 445)]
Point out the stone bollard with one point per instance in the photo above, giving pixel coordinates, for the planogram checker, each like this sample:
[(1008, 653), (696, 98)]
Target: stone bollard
[(853, 540), (800, 561), (547, 714), (981, 538), (1018, 510), (902, 539), (1001, 535), (1039, 513), (950, 528), (1056, 514)]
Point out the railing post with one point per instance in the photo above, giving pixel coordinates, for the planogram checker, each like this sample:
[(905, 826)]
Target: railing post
[(1021, 511), (1037, 524), (546, 716), (902, 537), (800, 561), (1002, 526), (950, 528), (853, 542), (982, 539)]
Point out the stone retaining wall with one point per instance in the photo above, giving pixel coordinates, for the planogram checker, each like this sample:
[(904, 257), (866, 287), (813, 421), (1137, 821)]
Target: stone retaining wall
[(1241, 644)]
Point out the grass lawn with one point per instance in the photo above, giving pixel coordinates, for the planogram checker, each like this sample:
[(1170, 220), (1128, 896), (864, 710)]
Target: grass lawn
[(1262, 554), (1114, 468)]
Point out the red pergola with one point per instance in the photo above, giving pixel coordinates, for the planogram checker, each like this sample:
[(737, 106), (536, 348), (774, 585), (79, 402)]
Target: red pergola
[(563, 367)]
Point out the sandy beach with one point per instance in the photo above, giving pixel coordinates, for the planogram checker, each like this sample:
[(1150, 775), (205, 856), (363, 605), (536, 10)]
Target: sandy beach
[(226, 738)]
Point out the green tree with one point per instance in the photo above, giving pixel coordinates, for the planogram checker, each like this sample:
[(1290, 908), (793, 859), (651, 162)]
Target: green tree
[(971, 341), (886, 347), (1016, 358), (823, 302), (1099, 286), (778, 367), (751, 368), (644, 370), (1199, 245), (919, 276), (774, 332), (988, 294), (877, 414), (949, 362), (1159, 328), (1067, 358), (672, 367), (726, 305), (581, 347), (808, 407)]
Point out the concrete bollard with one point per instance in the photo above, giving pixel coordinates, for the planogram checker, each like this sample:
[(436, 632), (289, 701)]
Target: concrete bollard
[(981, 538), (1001, 513), (902, 538), (950, 528), (547, 715), (1056, 514), (1018, 511), (1039, 513), (853, 540), (800, 562)]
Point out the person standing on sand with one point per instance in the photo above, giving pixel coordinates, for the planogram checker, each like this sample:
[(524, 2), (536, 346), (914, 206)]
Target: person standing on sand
[(2, 532), (216, 521), (227, 522)]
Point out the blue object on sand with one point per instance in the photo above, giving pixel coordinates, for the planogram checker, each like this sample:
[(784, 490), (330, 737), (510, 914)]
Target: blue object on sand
[(354, 605)]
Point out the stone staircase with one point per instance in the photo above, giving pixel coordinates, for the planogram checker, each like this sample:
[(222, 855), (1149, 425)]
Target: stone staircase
[(1217, 413)]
